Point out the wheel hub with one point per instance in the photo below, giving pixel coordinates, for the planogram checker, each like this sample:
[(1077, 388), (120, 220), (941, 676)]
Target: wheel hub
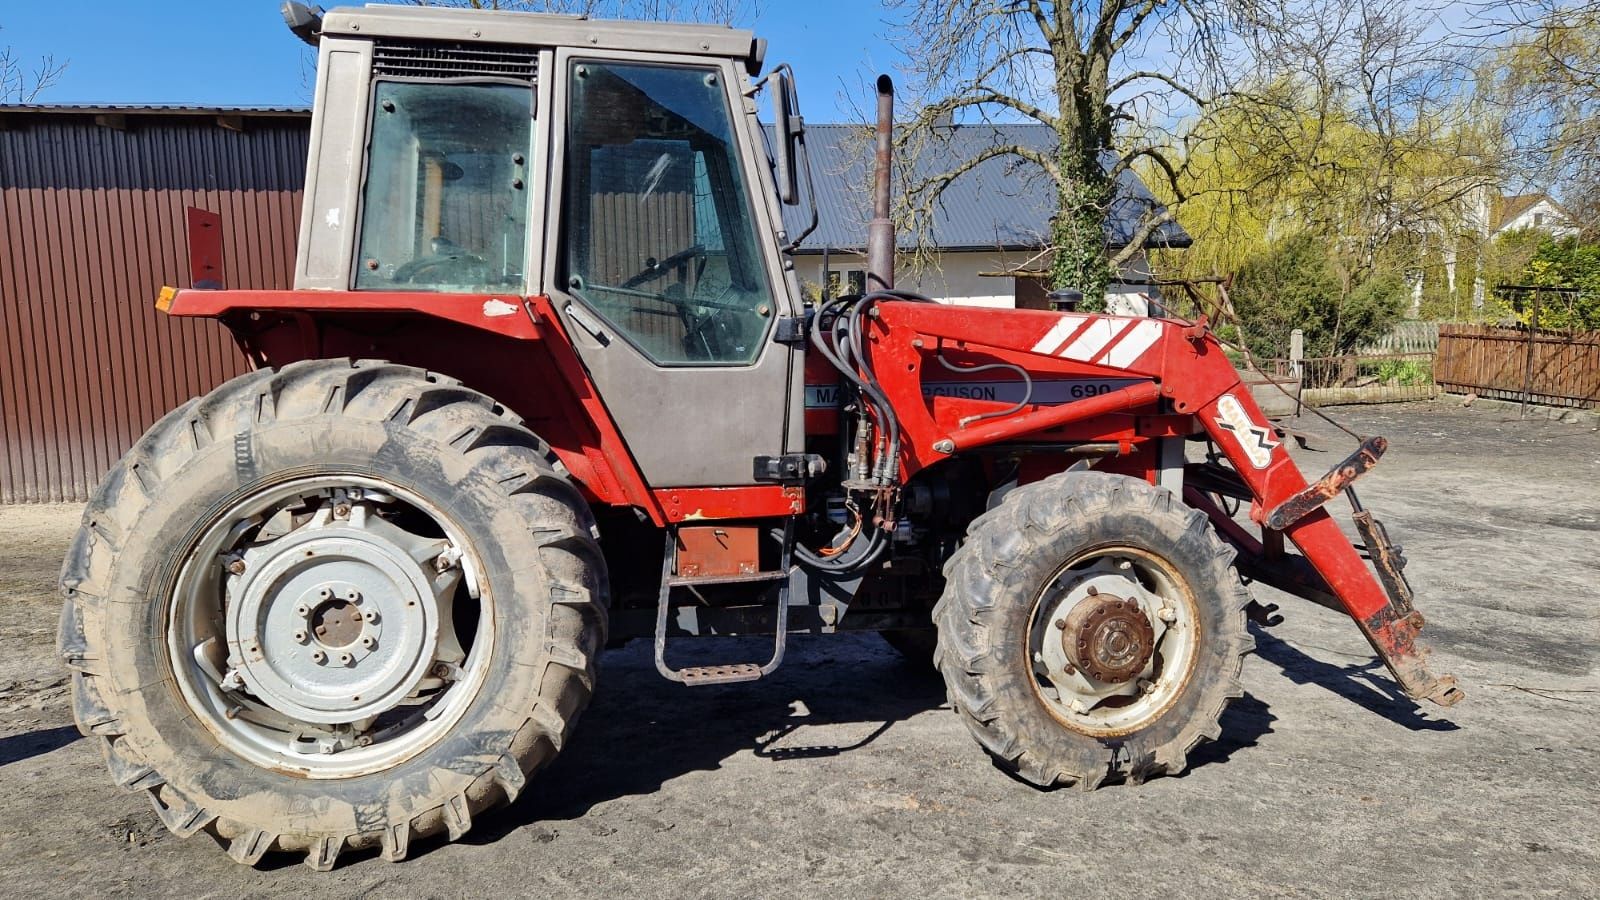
[(337, 621), (1108, 637)]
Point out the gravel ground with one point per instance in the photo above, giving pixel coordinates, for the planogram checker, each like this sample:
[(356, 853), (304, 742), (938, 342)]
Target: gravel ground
[(845, 773)]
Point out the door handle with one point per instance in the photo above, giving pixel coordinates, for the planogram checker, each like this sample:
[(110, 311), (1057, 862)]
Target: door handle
[(590, 325)]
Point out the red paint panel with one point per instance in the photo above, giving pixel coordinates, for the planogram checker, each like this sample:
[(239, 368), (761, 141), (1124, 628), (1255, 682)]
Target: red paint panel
[(205, 249), (760, 501), (503, 314)]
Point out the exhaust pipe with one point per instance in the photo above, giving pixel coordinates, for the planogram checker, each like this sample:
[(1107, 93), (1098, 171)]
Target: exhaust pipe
[(880, 231)]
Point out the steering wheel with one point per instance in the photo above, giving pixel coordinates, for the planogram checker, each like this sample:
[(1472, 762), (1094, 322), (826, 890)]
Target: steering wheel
[(439, 263), (655, 269)]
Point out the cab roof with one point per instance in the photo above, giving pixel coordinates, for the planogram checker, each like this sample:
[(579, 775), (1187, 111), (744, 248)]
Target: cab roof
[(431, 23)]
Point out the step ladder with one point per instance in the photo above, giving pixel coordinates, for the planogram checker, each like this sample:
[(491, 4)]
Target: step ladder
[(734, 672)]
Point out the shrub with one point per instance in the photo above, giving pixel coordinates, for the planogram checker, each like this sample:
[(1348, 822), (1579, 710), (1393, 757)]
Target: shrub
[(1294, 284)]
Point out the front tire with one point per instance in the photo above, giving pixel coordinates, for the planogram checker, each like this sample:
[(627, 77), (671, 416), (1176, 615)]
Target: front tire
[(332, 526), (1092, 626)]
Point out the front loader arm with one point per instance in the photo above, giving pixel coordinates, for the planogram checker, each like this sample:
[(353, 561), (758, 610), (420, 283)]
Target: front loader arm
[(1176, 371), (1382, 610)]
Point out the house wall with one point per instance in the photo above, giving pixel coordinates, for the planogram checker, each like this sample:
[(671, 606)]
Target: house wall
[(957, 277), (1542, 215)]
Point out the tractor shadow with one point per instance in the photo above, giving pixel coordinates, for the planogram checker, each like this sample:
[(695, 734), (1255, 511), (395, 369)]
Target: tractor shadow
[(1366, 684), (642, 730), (29, 744)]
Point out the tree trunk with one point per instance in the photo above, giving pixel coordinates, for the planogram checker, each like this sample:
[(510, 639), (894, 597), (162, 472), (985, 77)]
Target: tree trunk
[(1078, 230)]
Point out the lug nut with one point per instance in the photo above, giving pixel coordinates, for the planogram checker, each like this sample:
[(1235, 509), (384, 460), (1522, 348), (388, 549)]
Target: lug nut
[(370, 615), (1168, 614), (368, 642), (353, 595), (325, 594), (302, 610), (342, 511), (236, 567), (345, 659), (300, 636), (318, 657), (1094, 591), (1061, 624)]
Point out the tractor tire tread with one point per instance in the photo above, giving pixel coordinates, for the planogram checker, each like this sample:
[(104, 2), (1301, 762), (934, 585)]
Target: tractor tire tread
[(970, 612), (373, 390)]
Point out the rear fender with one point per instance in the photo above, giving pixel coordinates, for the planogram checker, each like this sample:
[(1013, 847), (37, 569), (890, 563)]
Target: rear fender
[(511, 348)]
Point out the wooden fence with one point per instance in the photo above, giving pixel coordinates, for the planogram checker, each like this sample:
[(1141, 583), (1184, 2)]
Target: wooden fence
[(1510, 363)]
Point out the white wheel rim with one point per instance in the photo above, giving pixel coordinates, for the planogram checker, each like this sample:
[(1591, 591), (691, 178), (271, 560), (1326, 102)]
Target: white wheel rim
[(313, 626), (1141, 583)]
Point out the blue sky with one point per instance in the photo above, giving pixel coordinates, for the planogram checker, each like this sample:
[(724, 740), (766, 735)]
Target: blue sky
[(238, 52)]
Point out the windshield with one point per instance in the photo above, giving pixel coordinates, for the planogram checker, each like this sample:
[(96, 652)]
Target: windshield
[(445, 202)]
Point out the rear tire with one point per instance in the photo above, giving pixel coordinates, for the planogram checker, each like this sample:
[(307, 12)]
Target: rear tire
[(526, 537), (1088, 533)]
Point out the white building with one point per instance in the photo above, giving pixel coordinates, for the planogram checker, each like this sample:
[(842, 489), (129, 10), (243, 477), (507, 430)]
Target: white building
[(987, 228), (1536, 211)]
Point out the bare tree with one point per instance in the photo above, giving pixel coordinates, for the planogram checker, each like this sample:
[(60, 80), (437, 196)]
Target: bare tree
[(22, 82), (1291, 87), (1064, 65)]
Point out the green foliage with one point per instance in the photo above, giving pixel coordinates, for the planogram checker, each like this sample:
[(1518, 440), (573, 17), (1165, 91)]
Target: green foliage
[(1546, 261), (1405, 372), (1294, 284)]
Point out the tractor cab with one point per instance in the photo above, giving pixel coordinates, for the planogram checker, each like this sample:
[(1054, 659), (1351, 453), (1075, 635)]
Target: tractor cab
[(616, 168)]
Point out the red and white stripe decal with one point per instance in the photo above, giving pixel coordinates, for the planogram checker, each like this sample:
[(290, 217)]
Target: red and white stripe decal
[(1086, 338)]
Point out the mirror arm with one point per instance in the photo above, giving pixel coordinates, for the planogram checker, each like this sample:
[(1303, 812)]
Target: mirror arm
[(804, 158)]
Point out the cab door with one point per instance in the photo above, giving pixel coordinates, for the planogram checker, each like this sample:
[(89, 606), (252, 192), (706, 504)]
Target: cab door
[(663, 266)]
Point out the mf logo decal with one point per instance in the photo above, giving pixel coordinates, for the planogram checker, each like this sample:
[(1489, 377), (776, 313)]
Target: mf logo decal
[(1256, 440)]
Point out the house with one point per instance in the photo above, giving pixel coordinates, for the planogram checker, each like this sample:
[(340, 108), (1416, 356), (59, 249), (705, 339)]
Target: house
[(987, 229), (1536, 211)]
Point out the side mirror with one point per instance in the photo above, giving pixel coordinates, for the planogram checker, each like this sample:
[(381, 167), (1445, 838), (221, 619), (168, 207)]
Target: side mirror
[(787, 128), (305, 21)]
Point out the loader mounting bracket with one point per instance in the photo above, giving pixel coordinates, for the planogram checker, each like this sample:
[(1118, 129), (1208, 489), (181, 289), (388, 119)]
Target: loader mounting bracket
[(1327, 487)]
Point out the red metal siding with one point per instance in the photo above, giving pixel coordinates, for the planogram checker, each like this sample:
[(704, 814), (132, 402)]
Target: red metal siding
[(91, 226)]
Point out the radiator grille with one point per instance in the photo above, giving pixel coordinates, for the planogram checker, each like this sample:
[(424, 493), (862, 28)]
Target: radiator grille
[(418, 60)]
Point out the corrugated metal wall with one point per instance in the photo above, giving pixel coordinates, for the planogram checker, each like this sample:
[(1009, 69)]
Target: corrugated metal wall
[(91, 226)]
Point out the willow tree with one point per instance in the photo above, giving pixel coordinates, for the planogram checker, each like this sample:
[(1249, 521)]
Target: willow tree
[(1547, 81)]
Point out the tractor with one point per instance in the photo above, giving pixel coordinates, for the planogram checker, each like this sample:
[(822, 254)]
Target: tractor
[(547, 382)]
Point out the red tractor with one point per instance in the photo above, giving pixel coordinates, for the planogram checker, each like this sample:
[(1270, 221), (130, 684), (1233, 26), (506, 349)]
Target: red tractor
[(547, 381)]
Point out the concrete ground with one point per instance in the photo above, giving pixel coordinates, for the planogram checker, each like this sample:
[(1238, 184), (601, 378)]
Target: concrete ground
[(844, 774)]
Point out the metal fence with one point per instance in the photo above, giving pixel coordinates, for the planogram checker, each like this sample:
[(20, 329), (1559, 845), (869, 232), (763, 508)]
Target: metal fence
[(1386, 378), (1520, 363)]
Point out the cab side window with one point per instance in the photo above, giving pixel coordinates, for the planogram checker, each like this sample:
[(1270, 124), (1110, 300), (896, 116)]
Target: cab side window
[(445, 205), (660, 241)]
